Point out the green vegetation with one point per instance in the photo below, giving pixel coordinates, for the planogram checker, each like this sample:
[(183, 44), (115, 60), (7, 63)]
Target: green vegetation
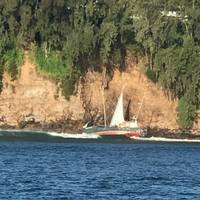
[(69, 37), (186, 112), (13, 59), (151, 74), (52, 64)]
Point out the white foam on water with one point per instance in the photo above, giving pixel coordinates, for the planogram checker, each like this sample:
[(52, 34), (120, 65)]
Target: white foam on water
[(54, 134), (74, 135), (161, 139)]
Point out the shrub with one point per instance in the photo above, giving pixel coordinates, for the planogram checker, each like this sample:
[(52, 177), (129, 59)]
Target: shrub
[(151, 75), (186, 113), (56, 67), (51, 64), (13, 59)]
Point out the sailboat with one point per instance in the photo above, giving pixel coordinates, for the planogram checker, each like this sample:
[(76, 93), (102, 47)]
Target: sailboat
[(118, 126)]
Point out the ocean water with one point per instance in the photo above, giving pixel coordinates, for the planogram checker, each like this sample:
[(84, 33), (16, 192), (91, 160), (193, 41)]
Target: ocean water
[(50, 168)]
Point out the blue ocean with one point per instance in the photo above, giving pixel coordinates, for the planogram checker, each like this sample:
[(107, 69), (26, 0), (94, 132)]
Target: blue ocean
[(39, 166)]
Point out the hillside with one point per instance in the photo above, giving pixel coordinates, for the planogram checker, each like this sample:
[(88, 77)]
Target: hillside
[(70, 39), (37, 100), (33, 96)]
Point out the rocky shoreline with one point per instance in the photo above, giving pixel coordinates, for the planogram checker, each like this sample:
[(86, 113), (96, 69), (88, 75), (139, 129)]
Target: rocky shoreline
[(174, 133), (70, 126), (61, 126)]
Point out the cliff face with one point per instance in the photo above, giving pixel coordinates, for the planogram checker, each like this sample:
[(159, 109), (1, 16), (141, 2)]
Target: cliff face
[(33, 97), (157, 111)]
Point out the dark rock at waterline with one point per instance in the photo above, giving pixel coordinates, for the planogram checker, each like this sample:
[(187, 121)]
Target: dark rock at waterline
[(174, 133), (60, 125), (6, 126), (64, 126)]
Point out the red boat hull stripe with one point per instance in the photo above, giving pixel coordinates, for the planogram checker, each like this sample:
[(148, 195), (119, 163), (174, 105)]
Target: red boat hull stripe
[(128, 134)]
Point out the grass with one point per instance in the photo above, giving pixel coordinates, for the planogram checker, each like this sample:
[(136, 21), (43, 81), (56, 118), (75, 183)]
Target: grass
[(51, 65), (55, 67), (13, 60)]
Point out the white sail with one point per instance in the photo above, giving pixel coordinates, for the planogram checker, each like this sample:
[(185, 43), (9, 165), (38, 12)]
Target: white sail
[(118, 116)]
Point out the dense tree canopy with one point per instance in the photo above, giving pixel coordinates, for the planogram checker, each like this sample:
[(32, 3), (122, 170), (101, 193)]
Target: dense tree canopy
[(69, 36)]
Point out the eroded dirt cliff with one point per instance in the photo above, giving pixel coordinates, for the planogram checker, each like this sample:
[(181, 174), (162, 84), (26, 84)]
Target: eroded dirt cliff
[(35, 99), (157, 110)]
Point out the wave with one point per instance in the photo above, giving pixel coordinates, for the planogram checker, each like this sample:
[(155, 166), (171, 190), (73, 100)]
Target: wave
[(74, 135), (42, 135), (29, 135), (161, 139)]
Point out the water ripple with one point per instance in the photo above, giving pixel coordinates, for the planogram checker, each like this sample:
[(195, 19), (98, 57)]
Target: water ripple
[(33, 170)]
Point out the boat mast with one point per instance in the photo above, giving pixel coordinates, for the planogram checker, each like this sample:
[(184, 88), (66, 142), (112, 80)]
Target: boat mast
[(103, 95), (141, 104), (104, 108)]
